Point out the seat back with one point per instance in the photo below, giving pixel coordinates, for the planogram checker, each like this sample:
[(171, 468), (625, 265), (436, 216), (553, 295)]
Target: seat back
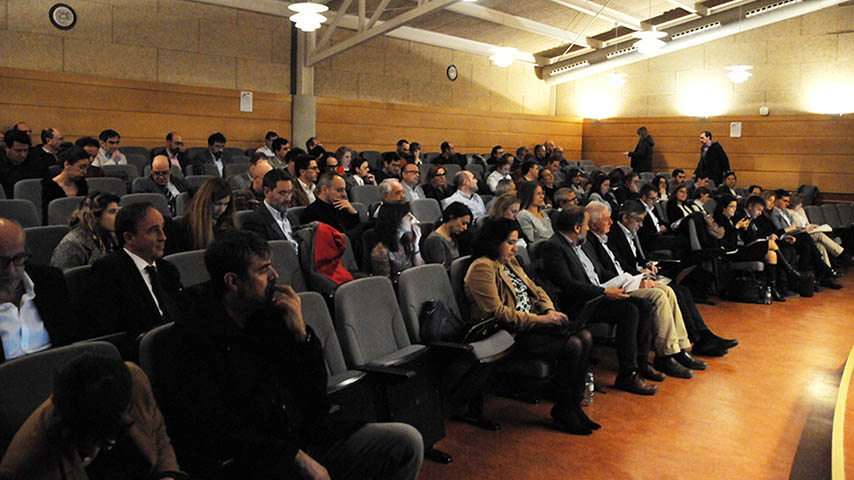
[(182, 203), (316, 315), (373, 158), (191, 265), (156, 199), (814, 214), (661, 210), (138, 160), (710, 205), (21, 211), (362, 209), (30, 189), (239, 216), (196, 181), (234, 155), (416, 286), (28, 381), (809, 194), (369, 322), (846, 213), (451, 169), (459, 268), (286, 263), (365, 194), (426, 209), (831, 216), (107, 184), (154, 353), (131, 150), (237, 168), (126, 173), (42, 241), (294, 215), (59, 210)]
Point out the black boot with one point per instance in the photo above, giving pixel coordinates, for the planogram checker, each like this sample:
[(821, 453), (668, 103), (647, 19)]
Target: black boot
[(771, 271), (790, 271)]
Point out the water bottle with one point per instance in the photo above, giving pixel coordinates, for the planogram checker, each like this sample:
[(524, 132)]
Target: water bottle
[(768, 295), (589, 387)]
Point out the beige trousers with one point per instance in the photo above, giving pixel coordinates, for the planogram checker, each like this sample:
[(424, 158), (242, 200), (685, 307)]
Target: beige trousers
[(671, 337), (826, 244)]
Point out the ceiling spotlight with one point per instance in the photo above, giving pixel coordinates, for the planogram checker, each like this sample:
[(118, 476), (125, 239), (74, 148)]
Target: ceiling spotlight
[(739, 73), (616, 80), (649, 41), (308, 17), (502, 56)]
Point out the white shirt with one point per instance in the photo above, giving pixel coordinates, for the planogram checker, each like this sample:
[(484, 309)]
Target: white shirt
[(651, 214), (284, 224), (604, 241), (309, 190), (474, 202), (102, 159), (140, 265), (495, 177), (22, 330), (172, 189), (410, 193), (631, 238), (265, 151)]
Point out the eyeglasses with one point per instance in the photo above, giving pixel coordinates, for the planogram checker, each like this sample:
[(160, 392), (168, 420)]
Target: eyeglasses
[(314, 168), (440, 174), (161, 173), (412, 171), (19, 260)]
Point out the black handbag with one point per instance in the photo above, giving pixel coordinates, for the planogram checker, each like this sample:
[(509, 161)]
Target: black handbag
[(439, 323), (749, 290), (481, 330)]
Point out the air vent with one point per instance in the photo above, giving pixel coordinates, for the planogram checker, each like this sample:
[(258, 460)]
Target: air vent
[(769, 8), (696, 30), (569, 67), (623, 51)]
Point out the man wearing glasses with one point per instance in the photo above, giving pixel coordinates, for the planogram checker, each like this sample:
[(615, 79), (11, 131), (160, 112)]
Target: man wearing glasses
[(411, 178), (174, 150), (34, 307), (161, 181)]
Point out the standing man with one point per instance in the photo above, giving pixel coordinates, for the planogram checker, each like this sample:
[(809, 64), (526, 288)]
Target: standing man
[(713, 160), (161, 181), (270, 219), (109, 153)]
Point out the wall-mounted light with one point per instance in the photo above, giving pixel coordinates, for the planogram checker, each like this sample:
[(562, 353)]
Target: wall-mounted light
[(616, 80), (308, 17), (649, 42), (502, 56), (739, 73)]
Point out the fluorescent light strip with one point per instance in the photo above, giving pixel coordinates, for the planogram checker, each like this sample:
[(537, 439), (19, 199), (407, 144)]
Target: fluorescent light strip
[(569, 67), (622, 52), (696, 30), (769, 8)]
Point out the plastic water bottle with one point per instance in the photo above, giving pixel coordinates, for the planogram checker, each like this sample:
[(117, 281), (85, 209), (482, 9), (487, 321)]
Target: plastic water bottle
[(589, 387), (768, 295)]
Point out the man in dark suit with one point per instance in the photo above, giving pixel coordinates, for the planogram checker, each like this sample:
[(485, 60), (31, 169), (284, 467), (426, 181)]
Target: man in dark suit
[(161, 181), (137, 290), (16, 165), (570, 279), (270, 219), (213, 155), (26, 329), (47, 152), (332, 206), (713, 160), (653, 233), (173, 151)]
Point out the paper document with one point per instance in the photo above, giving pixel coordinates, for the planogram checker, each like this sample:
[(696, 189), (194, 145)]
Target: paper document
[(627, 282)]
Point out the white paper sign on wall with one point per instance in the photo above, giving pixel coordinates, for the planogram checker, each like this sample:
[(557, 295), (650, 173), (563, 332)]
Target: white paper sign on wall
[(245, 101), (735, 129)]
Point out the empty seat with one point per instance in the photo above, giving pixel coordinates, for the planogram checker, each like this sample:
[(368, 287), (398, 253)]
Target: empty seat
[(606, 168), (831, 216), (235, 169), (373, 158), (451, 169), (201, 169), (191, 265), (240, 215), (21, 211), (138, 160), (365, 194), (108, 185), (196, 181), (814, 214), (846, 214), (156, 199), (232, 154), (646, 176), (475, 168), (426, 210), (182, 203), (30, 189), (362, 209), (286, 263), (59, 210), (42, 241), (131, 150), (294, 215)]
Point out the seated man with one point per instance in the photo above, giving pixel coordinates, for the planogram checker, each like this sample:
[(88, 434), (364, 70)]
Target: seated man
[(653, 233), (34, 307), (466, 184), (213, 155), (280, 148), (564, 198), (270, 218), (267, 149), (411, 178), (252, 195), (619, 251), (249, 381), (136, 289), (48, 151), (505, 185), (173, 151), (332, 206), (568, 275), (16, 164), (111, 427), (391, 191), (305, 189), (391, 166), (109, 153), (502, 172), (628, 189), (161, 181)]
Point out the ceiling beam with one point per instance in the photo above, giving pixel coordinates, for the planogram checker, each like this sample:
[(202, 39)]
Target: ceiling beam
[(684, 5), (605, 13)]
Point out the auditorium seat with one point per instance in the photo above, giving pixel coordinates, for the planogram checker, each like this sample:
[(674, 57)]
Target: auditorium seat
[(365, 194), (196, 181), (21, 211), (30, 189), (426, 210), (42, 241), (107, 185), (156, 199), (286, 263), (191, 266), (59, 210)]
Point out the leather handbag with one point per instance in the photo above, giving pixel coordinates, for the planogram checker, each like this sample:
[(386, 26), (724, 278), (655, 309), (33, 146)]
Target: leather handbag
[(439, 323), (481, 330)]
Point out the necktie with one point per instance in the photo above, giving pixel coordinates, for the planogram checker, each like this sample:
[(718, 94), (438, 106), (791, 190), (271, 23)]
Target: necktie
[(167, 306)]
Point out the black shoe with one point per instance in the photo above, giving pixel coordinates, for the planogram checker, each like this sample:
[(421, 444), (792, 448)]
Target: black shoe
[(690, 362), (829, 282), (776, 296), (633, 383), (671, 367), (835, 273), (585, 419), (725, 343), (569, 422), (646, 371), (708, 350)]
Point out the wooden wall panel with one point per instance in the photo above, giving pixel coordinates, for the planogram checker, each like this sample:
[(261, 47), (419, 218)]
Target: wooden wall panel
[(143, 112), (378, 126), (775, 152)]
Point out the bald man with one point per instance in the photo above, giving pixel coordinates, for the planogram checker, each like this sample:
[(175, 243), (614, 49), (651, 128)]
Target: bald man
[(162, 181), (251, 197), (34, 308)]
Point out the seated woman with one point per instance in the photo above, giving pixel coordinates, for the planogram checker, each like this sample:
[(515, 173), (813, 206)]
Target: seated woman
[(506, 206), (660, 184), (398, 236), (345, 159), (436, 186), (360, 174), (101, 422), (70, 182), (600, 191), (681, 211), (575, 181), (208, 216), (547, 180), (497, 286), (534, 223), (92, 234), (441, 245)]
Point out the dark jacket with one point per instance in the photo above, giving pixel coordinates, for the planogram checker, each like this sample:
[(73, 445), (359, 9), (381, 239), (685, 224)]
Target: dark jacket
[(713, 164), (252, 394), (320, 211), (182, 156), (562, 276), (121, 300), (261, 222), (51, 191), (642, 156), (148, 185), (53, 305), (10, 174), (619, 246)]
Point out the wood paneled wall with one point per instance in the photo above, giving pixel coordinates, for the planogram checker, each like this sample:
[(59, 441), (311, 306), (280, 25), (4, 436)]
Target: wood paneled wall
[(783, 151), (142, 112), (364, 125)]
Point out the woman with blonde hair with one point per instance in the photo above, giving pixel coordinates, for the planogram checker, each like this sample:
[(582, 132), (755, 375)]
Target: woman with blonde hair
[(209, 215), (92, 234)]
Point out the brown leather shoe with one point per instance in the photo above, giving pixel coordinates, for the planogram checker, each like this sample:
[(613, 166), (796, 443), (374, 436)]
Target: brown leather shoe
[(670, 366), (635, 384), (646, 371)]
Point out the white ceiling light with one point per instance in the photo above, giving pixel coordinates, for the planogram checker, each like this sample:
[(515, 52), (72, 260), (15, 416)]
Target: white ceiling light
[(649, 41), (616, 80), (739, 73), (308, 17), (503, 56)]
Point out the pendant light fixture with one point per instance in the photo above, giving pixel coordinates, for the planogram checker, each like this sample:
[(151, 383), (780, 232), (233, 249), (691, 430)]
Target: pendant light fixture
[(649, 41), (308, 15), (502, 56), (739, 73)]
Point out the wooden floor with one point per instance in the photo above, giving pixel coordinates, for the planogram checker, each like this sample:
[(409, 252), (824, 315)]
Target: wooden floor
[(753, 414)]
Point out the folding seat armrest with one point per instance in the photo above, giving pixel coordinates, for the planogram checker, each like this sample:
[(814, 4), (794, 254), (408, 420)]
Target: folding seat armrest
[(450, 347), (344, 383), (387, 374)]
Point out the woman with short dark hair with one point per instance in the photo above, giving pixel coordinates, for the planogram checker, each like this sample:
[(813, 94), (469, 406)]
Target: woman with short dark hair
[(641, 158), (441, 246), (497, 287), (70, 182)]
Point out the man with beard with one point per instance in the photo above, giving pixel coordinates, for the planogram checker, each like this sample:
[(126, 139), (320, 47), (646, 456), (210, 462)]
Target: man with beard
[(270, 219), (249, 381)]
